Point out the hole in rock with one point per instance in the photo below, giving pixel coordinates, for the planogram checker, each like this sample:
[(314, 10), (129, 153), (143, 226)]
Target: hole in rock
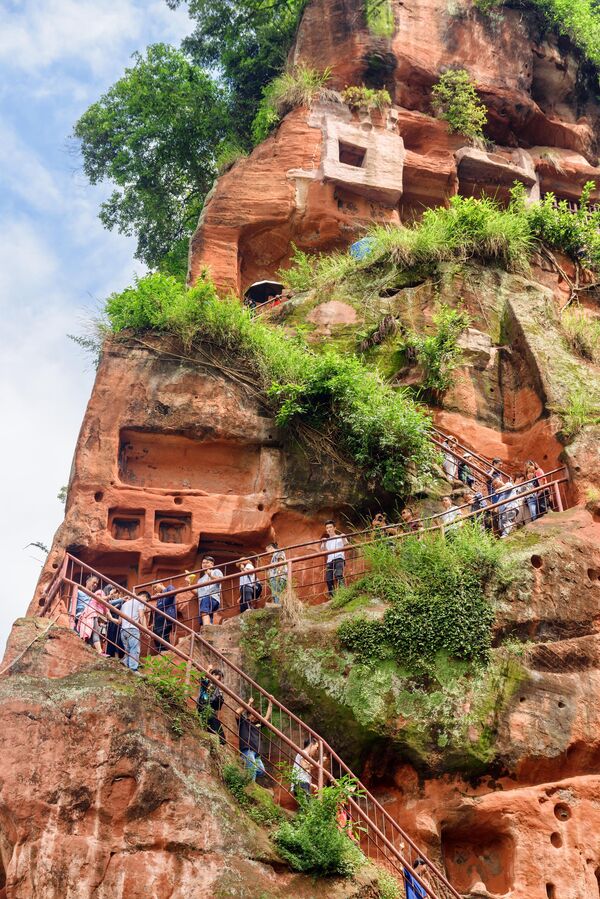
[(352, 155), (562, 811), (556, 839), (98, 496), (55, 565), (550, 891), (480, 854), (561, 704), (596, 515), (125, 528), (536, 561), (260, 507), (173, 528), (522, 698), (597, 876), (593, 574), (177, 500)]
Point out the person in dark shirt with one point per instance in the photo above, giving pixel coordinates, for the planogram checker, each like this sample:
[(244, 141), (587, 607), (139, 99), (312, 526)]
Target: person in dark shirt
[(165, 602), (249, 732), (210, 697)]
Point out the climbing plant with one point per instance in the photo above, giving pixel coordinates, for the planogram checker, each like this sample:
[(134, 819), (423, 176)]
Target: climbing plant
[(296, 87), (380, 17), (346, 407), (455, 99), (439, 353), (436, 590)]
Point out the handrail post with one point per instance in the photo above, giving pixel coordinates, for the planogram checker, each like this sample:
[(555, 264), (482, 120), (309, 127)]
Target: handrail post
[(321, 767), (188, 667), (559, 505)]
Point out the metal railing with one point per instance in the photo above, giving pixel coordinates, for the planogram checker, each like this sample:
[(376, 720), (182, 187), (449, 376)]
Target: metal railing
[(284, 734), (305, 572)]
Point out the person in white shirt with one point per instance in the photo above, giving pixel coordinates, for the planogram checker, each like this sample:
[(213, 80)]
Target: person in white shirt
[(450, 514), (302, 768), (250, 589), (130, 632), (333, 543), (209, 595), (450, 464)]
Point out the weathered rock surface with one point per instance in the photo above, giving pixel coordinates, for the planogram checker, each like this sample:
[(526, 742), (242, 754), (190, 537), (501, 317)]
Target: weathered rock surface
[(97, 798)]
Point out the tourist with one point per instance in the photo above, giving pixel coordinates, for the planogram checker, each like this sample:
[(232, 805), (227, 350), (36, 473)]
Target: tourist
[(250, 589), (450, 464), (450, 515), (114, 647), (89, 625), (523, 510), (165, 602), (249, 732), (409, 523), (380, 523), (464, 472), (211, 697), (536, 502), (209, 594), (83, 598), (302, 768), (413, 888), (333, 543), (476, 508), (186, 613), (493, 473), (277, 574), (135, 610), (504, 492)]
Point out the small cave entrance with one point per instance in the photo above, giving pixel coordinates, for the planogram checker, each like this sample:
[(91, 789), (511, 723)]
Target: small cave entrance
[(261, 292), (480, 853), (349, 154)]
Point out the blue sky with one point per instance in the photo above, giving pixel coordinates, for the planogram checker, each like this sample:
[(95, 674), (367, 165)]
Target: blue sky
[(57, 263)]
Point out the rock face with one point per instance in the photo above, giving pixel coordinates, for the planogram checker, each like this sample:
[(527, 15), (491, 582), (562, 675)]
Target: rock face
[(327, 172), (176, 459), (97, 798)]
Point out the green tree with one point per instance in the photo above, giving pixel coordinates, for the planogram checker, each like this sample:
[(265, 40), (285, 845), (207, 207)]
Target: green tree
[(248, 42), (154, 135)]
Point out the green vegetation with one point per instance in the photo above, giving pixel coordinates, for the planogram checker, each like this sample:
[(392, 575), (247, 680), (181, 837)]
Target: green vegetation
[(257, 802), (153, 134), (366, 97), (436, 588), (331, 398), (576, 19), (380, 17), (575, 233), (580, 410), (227, 157), (168, 681), (455, 99), (296, 87), (582, 332), (439, 353), (313, 842), (245, 44)]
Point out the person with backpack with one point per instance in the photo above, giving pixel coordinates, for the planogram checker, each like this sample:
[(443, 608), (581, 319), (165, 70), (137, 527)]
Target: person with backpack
[(210, 697), (250, 588), (249, 734), (209, 594), (165, 602)]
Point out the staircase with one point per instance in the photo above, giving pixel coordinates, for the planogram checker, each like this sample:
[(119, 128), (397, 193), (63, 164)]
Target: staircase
[(284, 734)]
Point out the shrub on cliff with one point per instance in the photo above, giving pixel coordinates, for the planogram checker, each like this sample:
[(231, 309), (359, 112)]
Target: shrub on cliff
[(313, 842), (296, 87), (436, 588), (455, 99), (332, 400)]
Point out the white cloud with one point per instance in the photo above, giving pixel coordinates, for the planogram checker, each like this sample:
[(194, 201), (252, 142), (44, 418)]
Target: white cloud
[(36, 34), (24, 174)]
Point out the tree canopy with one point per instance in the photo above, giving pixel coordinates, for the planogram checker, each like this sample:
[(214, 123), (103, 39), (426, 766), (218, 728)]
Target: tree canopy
[(155, 134)]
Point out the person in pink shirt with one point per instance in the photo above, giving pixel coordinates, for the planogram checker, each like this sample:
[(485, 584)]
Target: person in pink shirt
[(88, 626)]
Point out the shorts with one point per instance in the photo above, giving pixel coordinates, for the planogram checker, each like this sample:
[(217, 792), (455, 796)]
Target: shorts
[(209, 605)]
